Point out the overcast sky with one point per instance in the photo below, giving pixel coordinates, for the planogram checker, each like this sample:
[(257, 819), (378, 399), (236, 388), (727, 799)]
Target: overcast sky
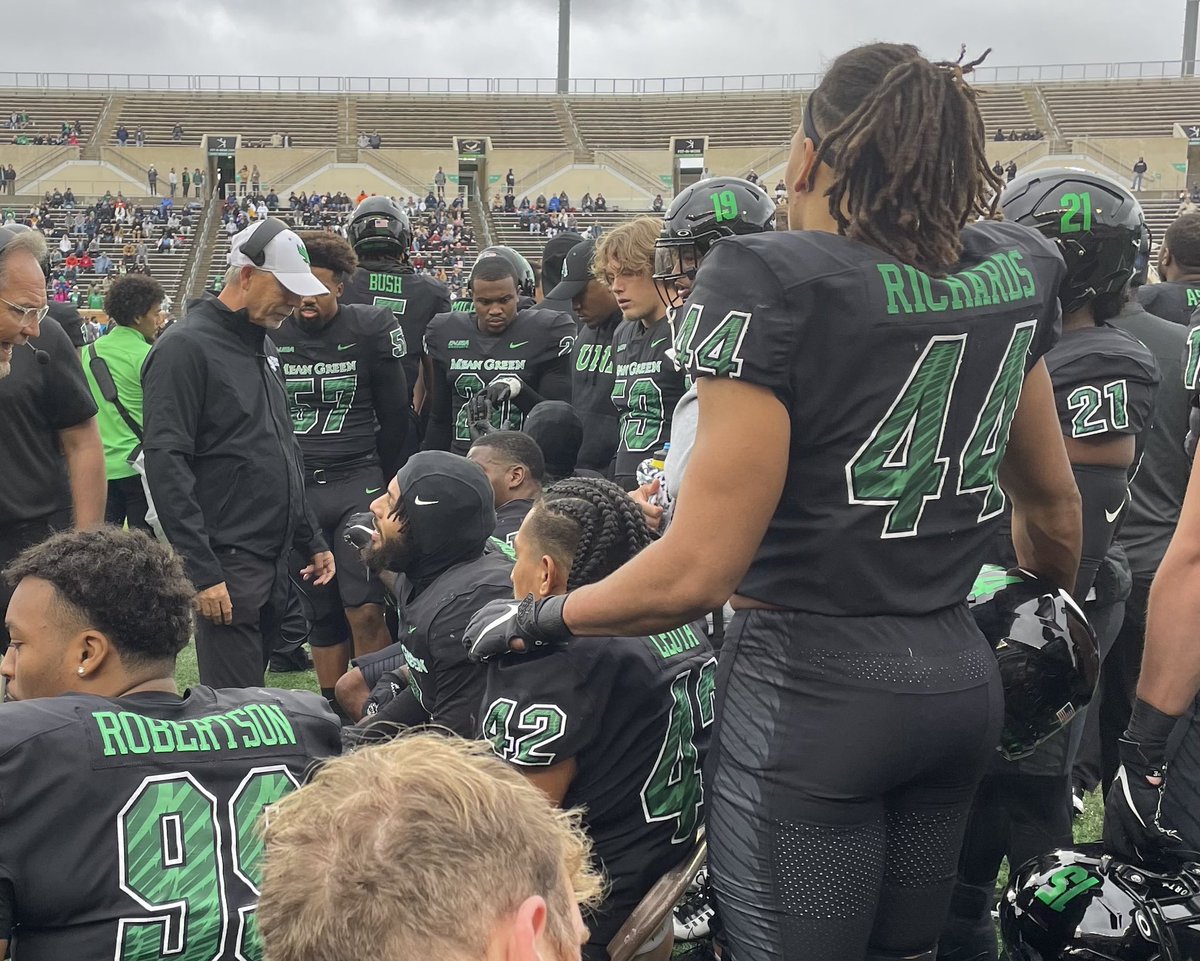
[(611, 38)]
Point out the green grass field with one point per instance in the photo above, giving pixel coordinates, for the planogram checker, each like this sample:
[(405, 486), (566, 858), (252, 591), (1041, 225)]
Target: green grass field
[(187, 675)]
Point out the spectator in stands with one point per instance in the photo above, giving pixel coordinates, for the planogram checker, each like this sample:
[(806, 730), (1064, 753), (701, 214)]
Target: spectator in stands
[(255, 179), (999, 138), (152, 179), (187, 182), (362, 141), (68, 199), (375, 141), (1139, 172), (554, 205), (657, 204), (510, 180), (198, 183), (540, 204), (122, 135), (601, 203), (998, 169), (780, 192), (103, 264), (439, 181), (564, 202), (585, 203), (177, 133), (172, 181), (10, 179), (752, 177), (242, 179), (139, 137), (483, 864), (1011, 171)]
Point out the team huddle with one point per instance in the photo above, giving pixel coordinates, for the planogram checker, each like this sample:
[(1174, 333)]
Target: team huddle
[(806, 549)]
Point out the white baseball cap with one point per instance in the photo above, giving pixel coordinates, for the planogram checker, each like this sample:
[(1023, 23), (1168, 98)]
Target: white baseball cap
[(280, 252)]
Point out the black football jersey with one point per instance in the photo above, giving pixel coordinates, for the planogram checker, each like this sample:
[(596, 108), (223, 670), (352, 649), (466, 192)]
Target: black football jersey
[(537, 343), (1171, 300), (635, 714), (647, 384), (129, 826), (330, 375), (900, 387), (1104, 382), (448, 685), (414, 298), (592, 376), (509, 519)]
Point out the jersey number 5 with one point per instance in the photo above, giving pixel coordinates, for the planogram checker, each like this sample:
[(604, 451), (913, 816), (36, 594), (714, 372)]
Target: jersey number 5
[(902, 465), (170, 843)]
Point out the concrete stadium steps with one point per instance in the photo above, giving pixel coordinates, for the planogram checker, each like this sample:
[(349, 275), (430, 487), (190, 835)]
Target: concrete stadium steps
[(432, 121), (48, 110), (510, 233), (1004, 106), (1133, 108), (647, 122), (310, 118)]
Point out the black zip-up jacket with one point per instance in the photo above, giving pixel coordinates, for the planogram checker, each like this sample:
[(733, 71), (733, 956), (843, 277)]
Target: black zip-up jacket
[(222, 461)]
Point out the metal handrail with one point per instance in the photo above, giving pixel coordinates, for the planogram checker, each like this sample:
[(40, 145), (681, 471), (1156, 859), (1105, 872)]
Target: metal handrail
[(580, 86)]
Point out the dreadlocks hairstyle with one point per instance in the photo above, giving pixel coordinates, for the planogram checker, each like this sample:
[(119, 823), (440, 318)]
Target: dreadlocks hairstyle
[(906, 143), (591, 522)]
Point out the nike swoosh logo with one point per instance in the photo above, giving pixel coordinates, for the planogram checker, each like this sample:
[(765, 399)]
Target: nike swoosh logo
[(421, 503), (347, 346), (520, 343), (657, 342), (487, 628), (374, 490), (1111, 516), (412, 630)]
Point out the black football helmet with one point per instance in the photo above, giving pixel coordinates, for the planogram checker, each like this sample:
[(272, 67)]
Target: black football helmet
[(1081, 905), (1096, 222), (1046, 649), (379, 227), (526, 283), (698, 217)]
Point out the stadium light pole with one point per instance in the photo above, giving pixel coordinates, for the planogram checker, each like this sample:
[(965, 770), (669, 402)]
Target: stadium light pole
[(1189, 38), (564, 44)]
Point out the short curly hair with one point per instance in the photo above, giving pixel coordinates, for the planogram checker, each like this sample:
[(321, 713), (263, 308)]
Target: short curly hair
[(331, 251), (132, 296), (123, 583)]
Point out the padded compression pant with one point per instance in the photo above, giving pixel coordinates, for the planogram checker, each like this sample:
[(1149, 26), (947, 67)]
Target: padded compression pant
[(845, 755)]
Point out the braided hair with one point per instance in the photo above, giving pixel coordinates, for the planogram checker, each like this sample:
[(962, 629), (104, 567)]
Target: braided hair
[(591, 521), (906, 143)]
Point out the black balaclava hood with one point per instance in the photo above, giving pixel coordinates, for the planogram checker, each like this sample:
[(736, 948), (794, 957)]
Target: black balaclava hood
[(451, 510), (556, 427)]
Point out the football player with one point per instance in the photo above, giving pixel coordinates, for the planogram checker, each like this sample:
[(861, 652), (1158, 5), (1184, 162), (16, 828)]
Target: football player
[(592, 371), (1152, 810), (1104, 382), (527, 282), (617, 726), (866, 381), (1178, 296), (343, 367), (697, 218), (381, 235), (129, 821), (516, 470), (647, 383), (432, 526), (517, 356)]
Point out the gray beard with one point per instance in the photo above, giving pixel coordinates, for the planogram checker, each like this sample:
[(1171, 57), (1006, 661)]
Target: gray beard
[(5, 368)]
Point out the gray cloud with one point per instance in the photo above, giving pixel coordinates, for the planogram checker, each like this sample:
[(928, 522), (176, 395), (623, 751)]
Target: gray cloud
[(611, 38)]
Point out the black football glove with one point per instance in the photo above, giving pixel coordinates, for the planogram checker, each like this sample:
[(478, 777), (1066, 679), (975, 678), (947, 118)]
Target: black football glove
[(503, 389), (538, 623), (479, 414), (358, 530), (1134, 829)]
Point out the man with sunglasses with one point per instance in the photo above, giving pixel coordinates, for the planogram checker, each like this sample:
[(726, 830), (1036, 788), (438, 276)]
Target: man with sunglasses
[(52, 461), (222, 462)]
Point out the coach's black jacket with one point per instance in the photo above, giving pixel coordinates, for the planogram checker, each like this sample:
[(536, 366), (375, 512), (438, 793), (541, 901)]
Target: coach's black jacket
[(221, 459)]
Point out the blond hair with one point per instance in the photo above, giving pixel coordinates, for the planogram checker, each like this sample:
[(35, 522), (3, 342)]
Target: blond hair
[(415, 848), (631, 245)]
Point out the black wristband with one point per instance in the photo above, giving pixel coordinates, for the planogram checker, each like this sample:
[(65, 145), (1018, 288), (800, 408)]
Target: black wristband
[(541, 622), (1150, 727)]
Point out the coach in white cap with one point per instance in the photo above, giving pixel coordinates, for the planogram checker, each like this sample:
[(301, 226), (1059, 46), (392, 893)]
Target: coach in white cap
[(221, 458)]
